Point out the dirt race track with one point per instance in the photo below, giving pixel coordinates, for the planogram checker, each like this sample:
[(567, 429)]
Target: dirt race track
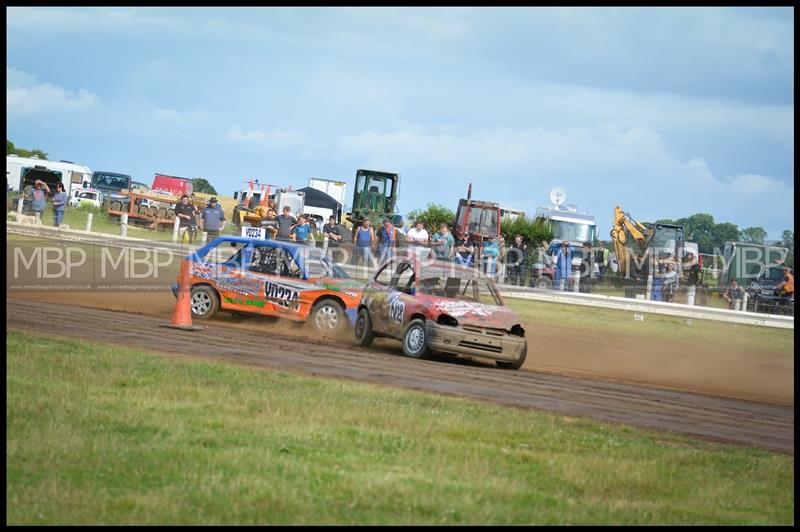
[(254, 342)]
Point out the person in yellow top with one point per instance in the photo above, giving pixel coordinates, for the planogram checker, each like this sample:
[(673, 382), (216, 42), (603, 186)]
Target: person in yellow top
[(787, 286)]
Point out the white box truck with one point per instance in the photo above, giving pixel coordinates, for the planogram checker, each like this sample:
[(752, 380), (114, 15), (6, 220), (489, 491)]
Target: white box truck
[(333, 188)]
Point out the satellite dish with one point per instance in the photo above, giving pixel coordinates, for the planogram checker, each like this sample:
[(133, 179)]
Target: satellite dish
[(558, 196)]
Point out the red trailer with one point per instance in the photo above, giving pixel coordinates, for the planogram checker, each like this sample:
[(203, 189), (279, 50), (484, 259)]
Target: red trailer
[(171, 184)]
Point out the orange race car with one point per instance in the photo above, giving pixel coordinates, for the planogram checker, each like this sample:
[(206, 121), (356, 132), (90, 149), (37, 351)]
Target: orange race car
[(271, 278)]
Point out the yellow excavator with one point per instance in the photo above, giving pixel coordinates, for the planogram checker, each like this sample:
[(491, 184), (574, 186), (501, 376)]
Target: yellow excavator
[(634, 239)]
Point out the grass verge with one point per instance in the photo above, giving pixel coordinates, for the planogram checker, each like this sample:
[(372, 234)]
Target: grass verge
[(97, 434), (655, 327)]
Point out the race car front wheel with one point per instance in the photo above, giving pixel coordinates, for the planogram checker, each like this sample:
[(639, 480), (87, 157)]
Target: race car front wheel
[(204, 302), (363, 329), (415, 340), (328, 316)]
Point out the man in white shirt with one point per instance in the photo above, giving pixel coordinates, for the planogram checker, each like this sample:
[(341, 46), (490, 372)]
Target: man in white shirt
[(417, 239), (417, 234)]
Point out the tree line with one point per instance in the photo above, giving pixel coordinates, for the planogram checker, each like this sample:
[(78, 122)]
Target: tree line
[(710, 235), (13, 150), (700, 228)]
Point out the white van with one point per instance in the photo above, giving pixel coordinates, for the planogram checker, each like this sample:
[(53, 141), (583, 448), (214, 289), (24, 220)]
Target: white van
[(86, 196), (21, 171)]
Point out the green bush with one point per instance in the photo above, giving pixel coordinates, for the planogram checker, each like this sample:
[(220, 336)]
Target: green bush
[(533, 232), (431, 217)]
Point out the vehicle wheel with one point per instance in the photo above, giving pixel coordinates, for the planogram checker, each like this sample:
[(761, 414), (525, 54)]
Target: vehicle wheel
[(204, 302), (543, 282), (363, 329), (515, 365), (415, 340), (328, 316)]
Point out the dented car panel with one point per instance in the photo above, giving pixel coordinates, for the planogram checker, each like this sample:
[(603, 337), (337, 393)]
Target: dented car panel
[(463, 312), (271, 278), (495, 344)]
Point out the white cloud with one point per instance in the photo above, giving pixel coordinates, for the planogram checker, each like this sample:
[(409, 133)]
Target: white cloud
[(278, 139), (600, 167), (72, 19), (24, 96)]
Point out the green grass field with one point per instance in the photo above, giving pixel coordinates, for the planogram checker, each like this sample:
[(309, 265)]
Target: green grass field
[(655, 327), (103, 435)]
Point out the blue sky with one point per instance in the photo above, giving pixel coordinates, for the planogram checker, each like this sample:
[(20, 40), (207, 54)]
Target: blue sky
[(664, 111)]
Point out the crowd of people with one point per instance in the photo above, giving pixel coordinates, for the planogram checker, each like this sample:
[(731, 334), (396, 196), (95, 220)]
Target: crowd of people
[(514, 263)]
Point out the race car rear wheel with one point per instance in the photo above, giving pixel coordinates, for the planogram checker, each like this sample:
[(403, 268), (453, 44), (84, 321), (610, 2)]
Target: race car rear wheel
[(328, 316), (517, 364), (204, 302), (363, 329), (415, 340)]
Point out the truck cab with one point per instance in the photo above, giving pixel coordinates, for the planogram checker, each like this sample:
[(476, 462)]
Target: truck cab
[(374, 196), (111, 184), (478, 218)]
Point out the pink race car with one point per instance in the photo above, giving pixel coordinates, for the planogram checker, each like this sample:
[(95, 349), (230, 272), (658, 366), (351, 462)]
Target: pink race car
[(440, 306)]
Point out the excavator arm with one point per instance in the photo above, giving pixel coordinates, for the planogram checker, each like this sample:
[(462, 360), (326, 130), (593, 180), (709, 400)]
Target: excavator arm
[(626, 229)]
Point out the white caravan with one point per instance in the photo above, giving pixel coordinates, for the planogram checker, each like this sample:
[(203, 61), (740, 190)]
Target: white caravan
[(73, 176)]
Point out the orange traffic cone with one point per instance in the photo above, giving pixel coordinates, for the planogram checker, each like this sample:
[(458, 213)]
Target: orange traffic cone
[(182, 317)]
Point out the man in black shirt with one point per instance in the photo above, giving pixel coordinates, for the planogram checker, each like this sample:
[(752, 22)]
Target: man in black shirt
[(186, 214), (285, 224), (464, 249), (270, 223), (333, 232)]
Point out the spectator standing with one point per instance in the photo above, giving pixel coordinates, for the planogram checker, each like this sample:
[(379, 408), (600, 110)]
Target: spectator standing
[(212, 219), (333, 232), (444, 243), (270, 223), (587, 269), (285, 223), (734, 295), (489, 254), (186, 216), (601, 260), (387, 241), (417, 237), (464, 249), (302, 231), (670, 282), (693, 277), (363, 242), (59, 204), (516, 258), (39, 195), (563, 270)]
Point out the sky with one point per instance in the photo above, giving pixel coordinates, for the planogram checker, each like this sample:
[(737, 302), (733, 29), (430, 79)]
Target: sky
[(666, 112)]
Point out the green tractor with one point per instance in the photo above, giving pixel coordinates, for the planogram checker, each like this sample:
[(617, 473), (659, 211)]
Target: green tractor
[(374, 197)]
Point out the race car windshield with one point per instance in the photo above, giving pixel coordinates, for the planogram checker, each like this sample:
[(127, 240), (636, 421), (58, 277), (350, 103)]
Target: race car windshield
[(460, 287)]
